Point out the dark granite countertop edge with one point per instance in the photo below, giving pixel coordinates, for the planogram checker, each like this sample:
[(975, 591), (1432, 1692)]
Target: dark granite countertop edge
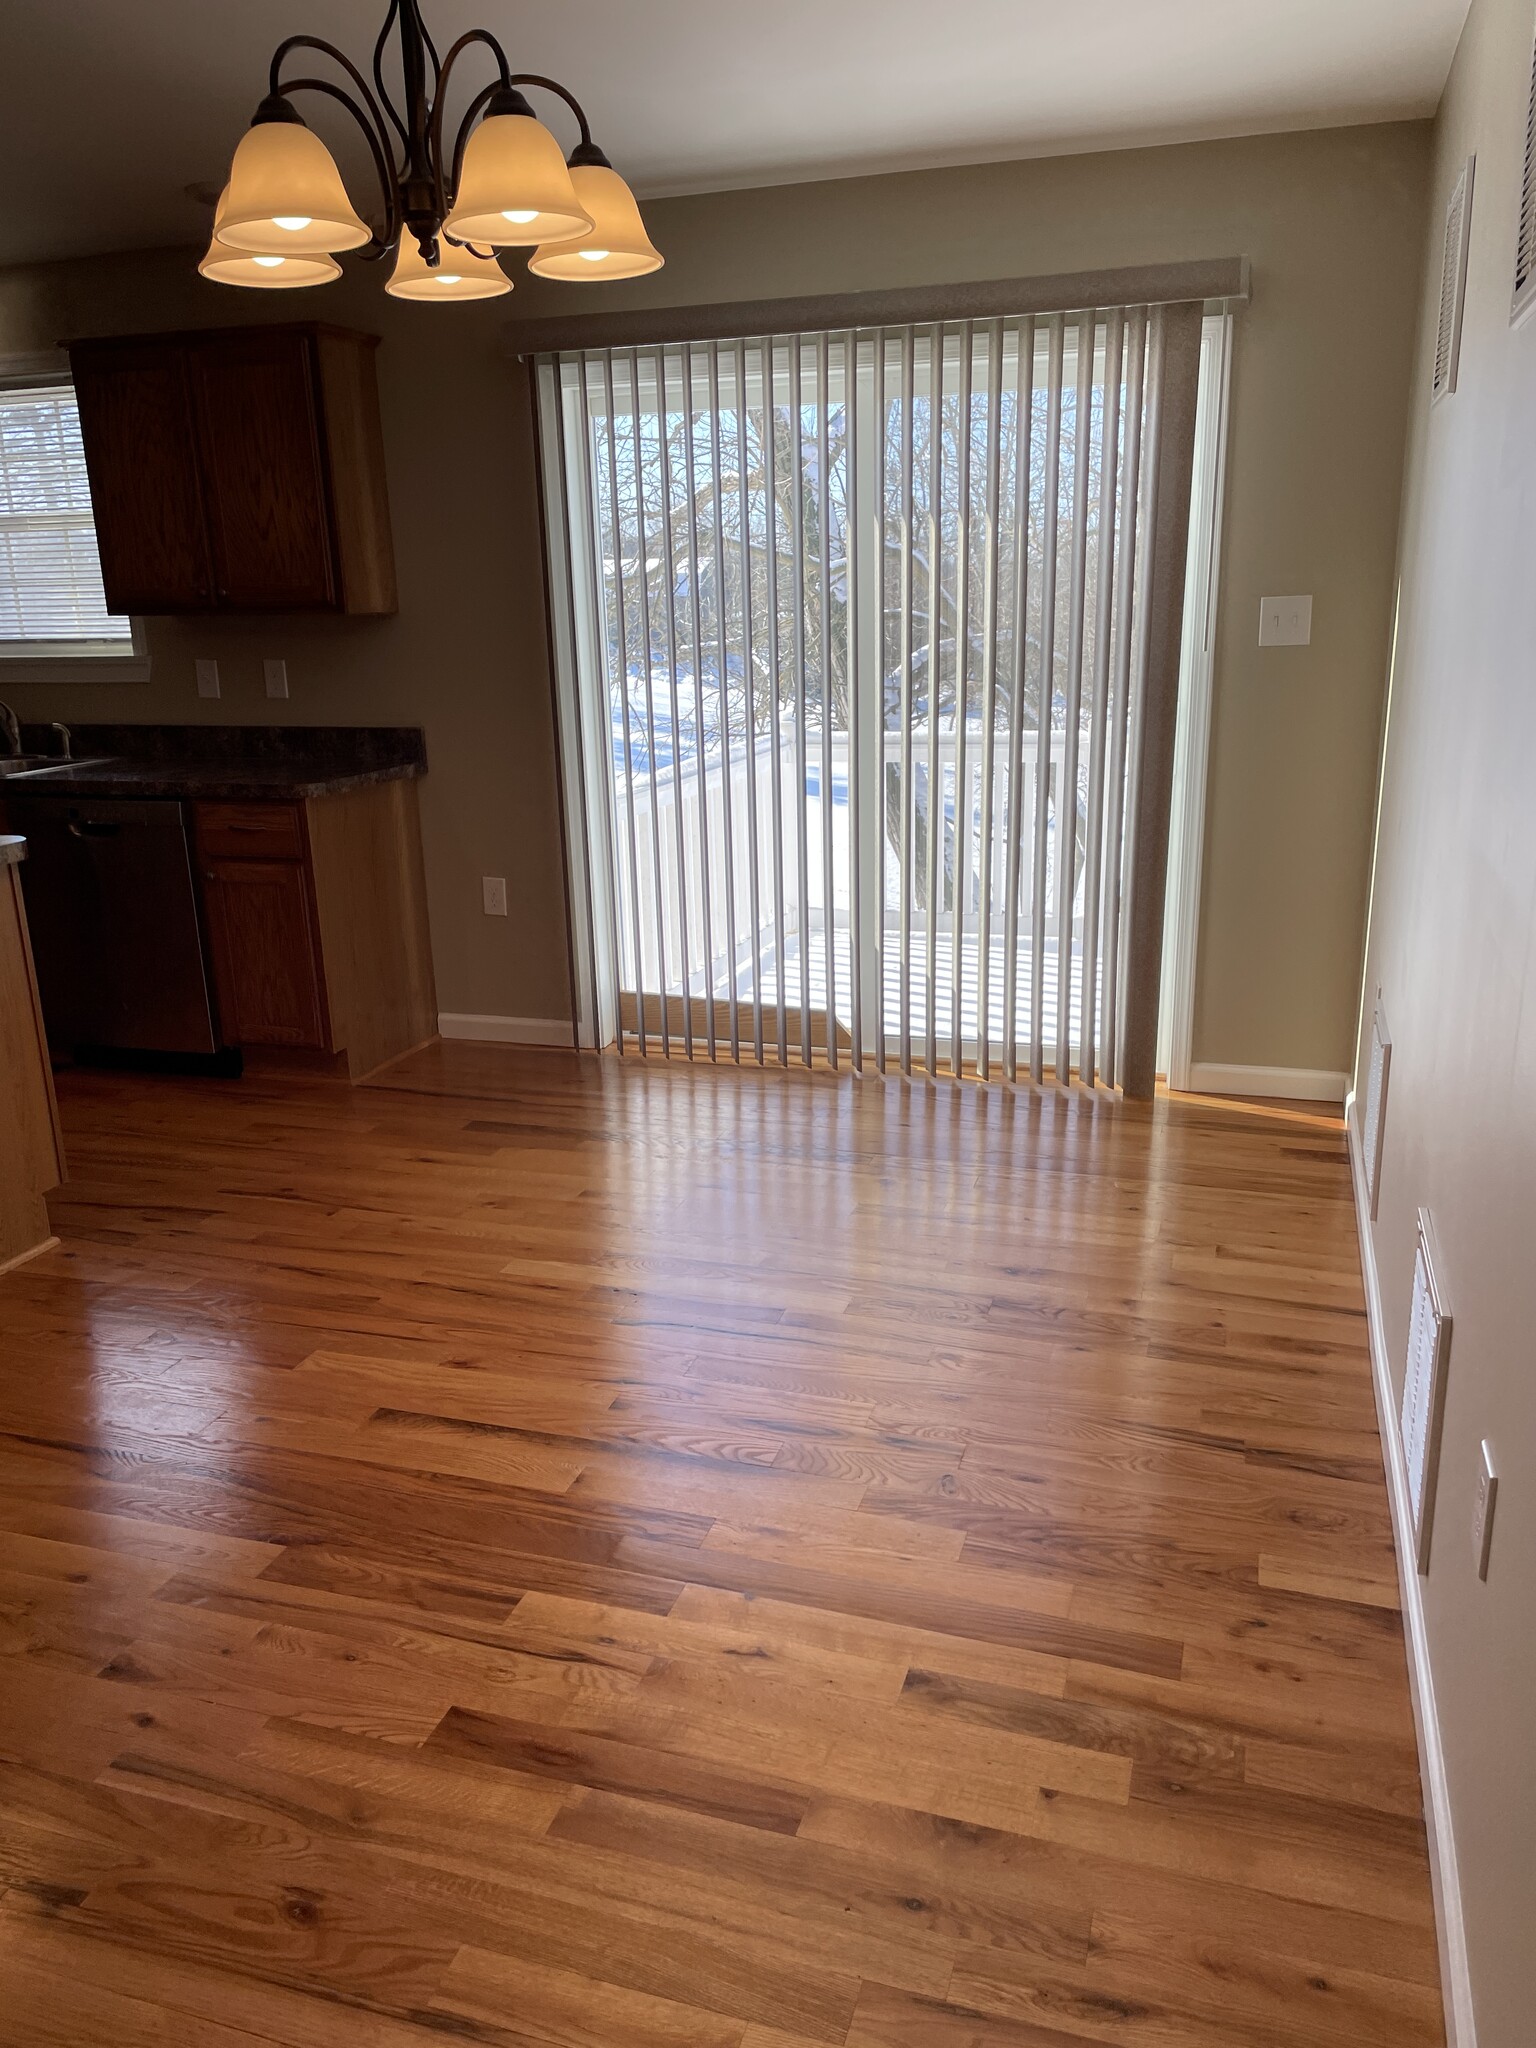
[(189, 783)]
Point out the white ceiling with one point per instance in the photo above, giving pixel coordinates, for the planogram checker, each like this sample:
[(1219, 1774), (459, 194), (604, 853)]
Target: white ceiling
[(109, 108)]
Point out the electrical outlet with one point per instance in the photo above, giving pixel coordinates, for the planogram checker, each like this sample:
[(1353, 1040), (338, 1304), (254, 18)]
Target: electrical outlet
[(493, 889), (207, 678), (1482, 1512), (276, 674), (1285, 622)]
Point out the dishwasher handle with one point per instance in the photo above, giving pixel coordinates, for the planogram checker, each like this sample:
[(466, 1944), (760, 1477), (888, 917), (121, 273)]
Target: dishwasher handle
[(92, 828)]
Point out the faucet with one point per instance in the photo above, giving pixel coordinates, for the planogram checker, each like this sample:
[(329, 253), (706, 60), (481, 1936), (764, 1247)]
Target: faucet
[(64, 738), (10, 726)]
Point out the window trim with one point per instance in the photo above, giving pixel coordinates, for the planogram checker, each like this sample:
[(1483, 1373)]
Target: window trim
[(72, 661), (22, 661), (1192, 730)]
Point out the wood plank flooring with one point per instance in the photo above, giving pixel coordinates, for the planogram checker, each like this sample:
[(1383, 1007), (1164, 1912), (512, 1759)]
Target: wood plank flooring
[(553, 1551)]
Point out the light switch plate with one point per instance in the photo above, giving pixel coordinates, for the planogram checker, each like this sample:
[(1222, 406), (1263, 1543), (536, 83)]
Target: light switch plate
[(1285, 621), (207, 679), (276, 674), (493, 889), (1482, 1513)]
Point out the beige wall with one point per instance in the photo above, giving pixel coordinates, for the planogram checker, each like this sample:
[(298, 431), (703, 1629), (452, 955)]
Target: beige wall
[(1452, 929), (1333, 222)]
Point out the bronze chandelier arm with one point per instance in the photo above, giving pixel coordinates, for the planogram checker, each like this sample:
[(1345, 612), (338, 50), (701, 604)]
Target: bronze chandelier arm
[(487, 92), (437, 62), (379, 243), (553, 85), (275, 86), (378, 73), (440, 100)]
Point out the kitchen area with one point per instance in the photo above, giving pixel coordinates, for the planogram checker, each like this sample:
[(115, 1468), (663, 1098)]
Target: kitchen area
[(192, 892), (175, 896)]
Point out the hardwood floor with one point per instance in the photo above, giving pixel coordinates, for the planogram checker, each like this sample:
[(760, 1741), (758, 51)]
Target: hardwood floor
[(611, 1556)]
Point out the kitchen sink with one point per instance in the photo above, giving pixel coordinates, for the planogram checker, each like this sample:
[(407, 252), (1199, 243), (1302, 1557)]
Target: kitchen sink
[(30, 767)]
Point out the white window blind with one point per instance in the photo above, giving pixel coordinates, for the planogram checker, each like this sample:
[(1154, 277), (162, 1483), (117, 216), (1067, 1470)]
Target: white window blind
[(850, 632), (51, 599)]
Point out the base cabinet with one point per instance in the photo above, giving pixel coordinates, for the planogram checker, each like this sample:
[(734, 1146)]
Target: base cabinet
[(317, 924), (261, 933), (31, 1150)]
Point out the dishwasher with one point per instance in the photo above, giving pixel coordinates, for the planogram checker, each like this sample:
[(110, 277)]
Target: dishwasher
[(116, 930)]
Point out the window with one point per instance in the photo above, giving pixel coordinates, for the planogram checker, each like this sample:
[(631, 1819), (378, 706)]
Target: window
[(53, 614)]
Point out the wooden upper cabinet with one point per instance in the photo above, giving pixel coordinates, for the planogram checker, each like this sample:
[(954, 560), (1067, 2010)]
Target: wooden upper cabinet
[(238, 470), (136, 422), (264, 472)]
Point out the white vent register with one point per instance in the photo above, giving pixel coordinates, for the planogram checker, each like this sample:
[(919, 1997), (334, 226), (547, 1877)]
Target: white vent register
[(1524, 294), (1429, 1344), (1453, 281)]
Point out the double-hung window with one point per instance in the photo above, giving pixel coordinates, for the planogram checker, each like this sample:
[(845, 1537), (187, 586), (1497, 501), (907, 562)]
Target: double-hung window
[(54, 621)]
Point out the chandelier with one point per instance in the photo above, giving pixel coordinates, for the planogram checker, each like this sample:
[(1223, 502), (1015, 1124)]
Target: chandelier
[(447, 208)]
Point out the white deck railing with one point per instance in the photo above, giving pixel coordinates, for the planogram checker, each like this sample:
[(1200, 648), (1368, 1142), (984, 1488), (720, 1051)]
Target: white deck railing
[(689, 825)]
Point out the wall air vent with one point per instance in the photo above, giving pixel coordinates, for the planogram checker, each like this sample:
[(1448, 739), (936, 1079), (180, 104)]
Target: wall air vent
[(1373, 1130), (1429, 1346), (1525, 244), (1453, 281)]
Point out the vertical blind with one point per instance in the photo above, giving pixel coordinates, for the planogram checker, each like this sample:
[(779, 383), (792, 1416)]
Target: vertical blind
[(50, 574), (849, 627)]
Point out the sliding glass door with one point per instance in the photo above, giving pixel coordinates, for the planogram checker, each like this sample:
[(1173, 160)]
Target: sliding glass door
[(850, 635)]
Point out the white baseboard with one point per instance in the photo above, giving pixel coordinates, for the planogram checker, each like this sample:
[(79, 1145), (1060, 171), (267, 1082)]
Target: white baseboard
[(1287, 1084), (505, 1030), (1450, 1930)]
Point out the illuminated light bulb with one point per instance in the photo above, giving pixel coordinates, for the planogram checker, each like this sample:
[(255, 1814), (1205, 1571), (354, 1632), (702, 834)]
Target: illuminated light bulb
[(225, 265), (457, 274), (514, 187), (285, 195), (617, 246)]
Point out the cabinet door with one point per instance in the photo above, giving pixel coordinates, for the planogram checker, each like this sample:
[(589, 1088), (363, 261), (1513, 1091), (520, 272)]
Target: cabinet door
[(261, 934), (263, 471), (29, 1116), (136, 424)]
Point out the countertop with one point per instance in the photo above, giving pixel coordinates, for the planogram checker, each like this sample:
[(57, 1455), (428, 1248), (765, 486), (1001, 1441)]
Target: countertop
[(225, 763)]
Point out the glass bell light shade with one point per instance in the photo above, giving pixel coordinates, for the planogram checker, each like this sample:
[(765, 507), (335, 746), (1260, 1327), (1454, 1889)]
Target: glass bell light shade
[(267, 273), (515, 189), (618, 245), (285, 196), (459, 274)]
